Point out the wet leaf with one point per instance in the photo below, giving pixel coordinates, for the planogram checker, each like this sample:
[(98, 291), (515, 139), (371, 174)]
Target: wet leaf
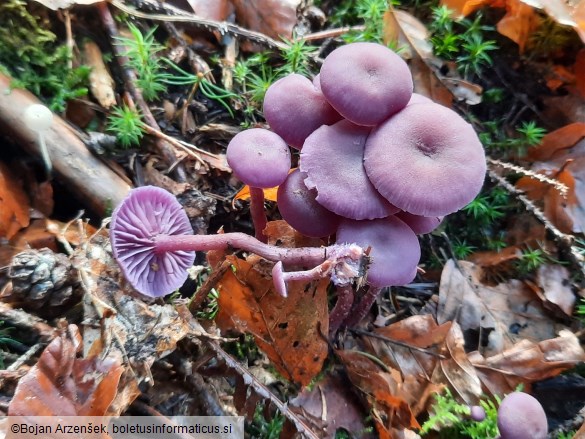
[(557, 140), (553, 283), (65, 4), (60, 384), (14, 214), (289, 330), (275, 18)]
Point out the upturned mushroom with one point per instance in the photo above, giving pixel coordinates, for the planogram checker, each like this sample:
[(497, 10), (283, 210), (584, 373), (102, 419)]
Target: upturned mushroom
[(261, 159), (153, 243)]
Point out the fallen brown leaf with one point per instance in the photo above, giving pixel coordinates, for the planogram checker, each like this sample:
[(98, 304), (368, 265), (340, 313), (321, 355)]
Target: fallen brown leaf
[(527, 361), (519, 23), (496, 316), (289, 330), (14, 214), (60, 384), (101, 82)]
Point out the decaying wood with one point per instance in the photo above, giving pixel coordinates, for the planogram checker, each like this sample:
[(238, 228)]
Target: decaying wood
[(98, 187)]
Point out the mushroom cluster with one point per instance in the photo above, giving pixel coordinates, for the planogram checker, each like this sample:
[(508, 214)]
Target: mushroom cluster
[(378, 163)]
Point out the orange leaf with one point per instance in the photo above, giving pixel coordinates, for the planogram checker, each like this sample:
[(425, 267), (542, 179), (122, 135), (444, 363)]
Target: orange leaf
[(62, 385), (244, 193), (464, 7), (14, 213), (289, 330), (556, 206), (519, 23), (557, 140)]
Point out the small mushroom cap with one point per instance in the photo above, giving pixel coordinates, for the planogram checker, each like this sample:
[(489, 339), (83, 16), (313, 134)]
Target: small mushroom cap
[(417, 98), (294, 108), (395, 250), (298, 207), (259, 157), (520, 416), (426, 160), (420, 224), (145, 213), (332, 158), (366, 82), (477, 413), (37, 117)]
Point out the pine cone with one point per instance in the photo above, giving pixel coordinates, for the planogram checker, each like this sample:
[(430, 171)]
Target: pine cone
[(41, 280)]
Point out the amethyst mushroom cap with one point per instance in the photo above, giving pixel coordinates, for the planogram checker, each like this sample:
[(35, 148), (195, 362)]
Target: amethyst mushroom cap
[(294, 108), (332, 158), (144, 214), (259, 157), (426, 160), (395, 250), (365, 82), (298, 207), (420, 224), (521, 416)]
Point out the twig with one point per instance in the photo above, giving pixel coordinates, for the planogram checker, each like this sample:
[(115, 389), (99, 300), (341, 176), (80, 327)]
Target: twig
[(130, 83), (18, 317), (263, 391), (31, 352), (563, 239), (204, 290), (562, 188), (174, 14), (397, 343)]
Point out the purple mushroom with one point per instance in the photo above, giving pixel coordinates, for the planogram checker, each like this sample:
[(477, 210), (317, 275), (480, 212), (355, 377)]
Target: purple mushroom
[(520, 416), (366, 82), (426, 160), (261, 159), (332, 158), (149, 212), (298, 207), (477, 413), (152, 242), (394, 253), (294, 108), (420, 224)]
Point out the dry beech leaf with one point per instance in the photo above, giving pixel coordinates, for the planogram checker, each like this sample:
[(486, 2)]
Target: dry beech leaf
[(275, 18), (60, 384), (416, 367), (407, 30), (555, 141), (519, 23), (503, 314), (101, 82), (554, 286), (14, 214), (526, 362), (382, 390), (218, 10), (579, 69), (330, 405), (289, 330)]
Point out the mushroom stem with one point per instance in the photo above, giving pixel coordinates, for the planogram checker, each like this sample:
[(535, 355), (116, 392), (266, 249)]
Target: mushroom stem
[(340, 311), (45, 154), (281, 278), (258, 213), (361, 309), (306, 256)]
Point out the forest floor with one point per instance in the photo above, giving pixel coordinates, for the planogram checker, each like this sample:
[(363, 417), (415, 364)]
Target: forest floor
[(149, 93)]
